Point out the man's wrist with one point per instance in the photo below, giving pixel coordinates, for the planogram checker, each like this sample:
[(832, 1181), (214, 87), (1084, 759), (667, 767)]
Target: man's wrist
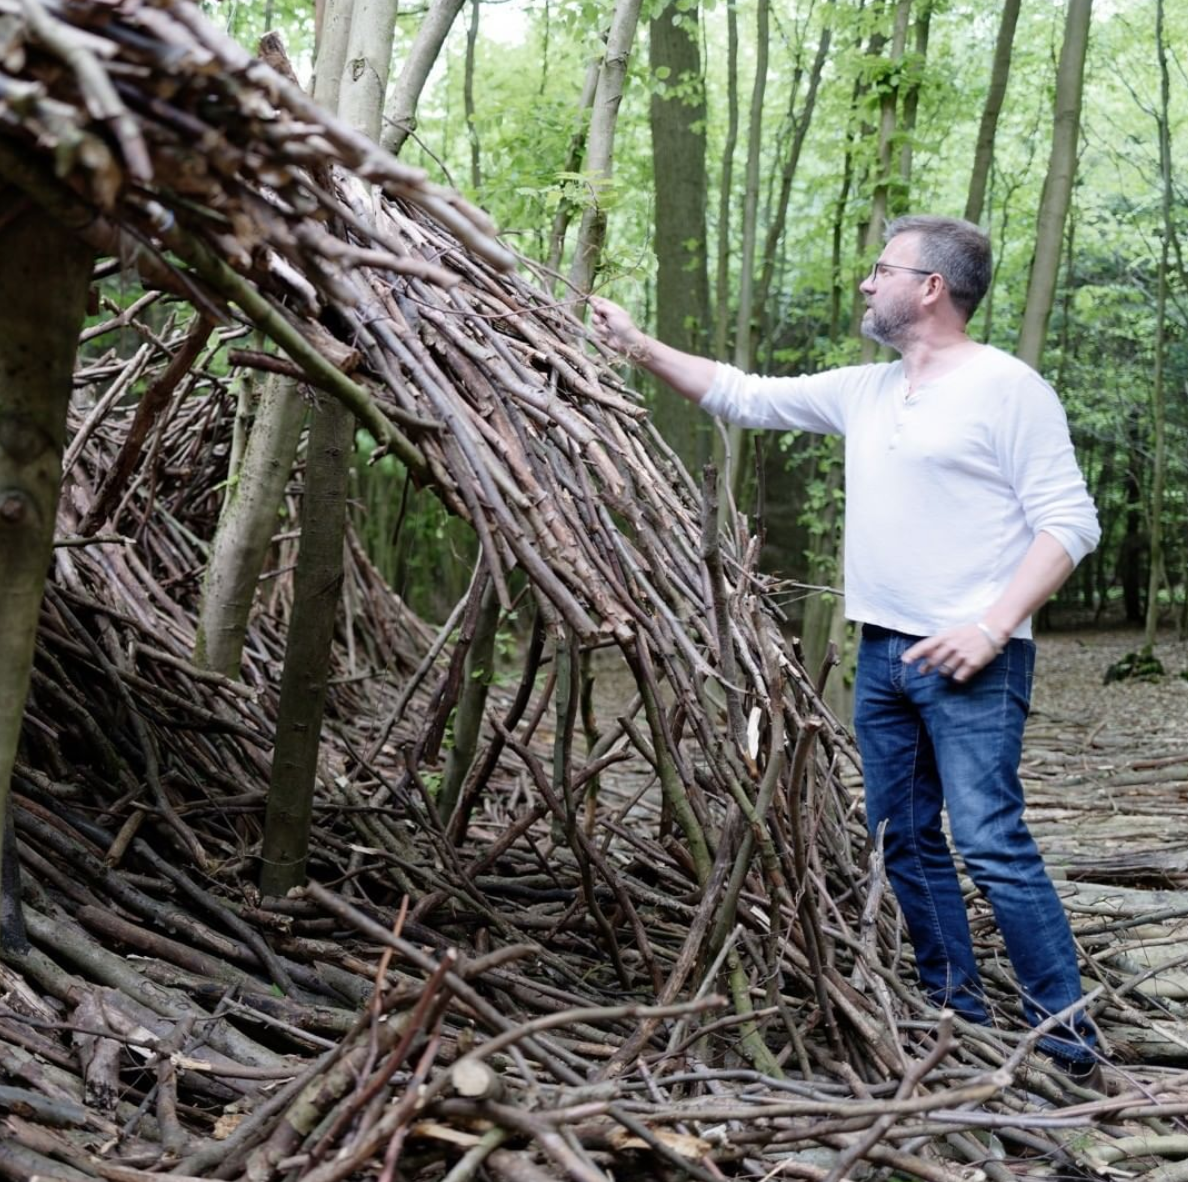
[(638, 349), (993, 635)]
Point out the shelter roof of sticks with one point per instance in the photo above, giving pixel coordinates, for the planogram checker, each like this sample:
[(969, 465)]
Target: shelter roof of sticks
[(554, 970)]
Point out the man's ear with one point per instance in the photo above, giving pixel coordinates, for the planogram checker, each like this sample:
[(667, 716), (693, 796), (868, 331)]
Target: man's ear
[(934, 288)]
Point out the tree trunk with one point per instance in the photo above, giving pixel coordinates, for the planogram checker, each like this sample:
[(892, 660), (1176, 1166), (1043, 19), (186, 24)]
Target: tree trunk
[(333, 32), (249, 516), (1134, 543), (246, 527), (601, 143), (888, 113), (400, 118), (678, 156), (725, 245), (1062, 165), (825, 624), (730, 459), (573, 162), (317, 589), (476, 173), (317, 582), (1158, 402), (38, 338), (369, 58), (911, 106), (1000, 72), (800, 124), (744, 328), (478, 672)]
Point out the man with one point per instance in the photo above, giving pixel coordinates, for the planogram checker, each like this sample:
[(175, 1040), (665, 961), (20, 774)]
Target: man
[(965, 511)]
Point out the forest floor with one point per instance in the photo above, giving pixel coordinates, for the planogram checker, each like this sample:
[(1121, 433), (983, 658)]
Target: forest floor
[(1106, 766)]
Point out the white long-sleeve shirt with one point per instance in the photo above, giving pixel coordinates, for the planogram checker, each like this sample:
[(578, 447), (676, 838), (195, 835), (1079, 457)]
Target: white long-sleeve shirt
[(945, 489)]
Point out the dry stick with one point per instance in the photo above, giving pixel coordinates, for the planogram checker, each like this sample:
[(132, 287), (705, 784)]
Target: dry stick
[(586, 854), (276, 326), (380, 935), (148, 749), (485, 767), (147, 409), (445, 697), (542, 1127), (213, 906), (664, 761), (431, 997), (711, 555), (468, 1164), (129, 375), (418, 676), (810, 925), (940, 1048), (427, 904), (561, 800), (408, 1103), (102, 100)]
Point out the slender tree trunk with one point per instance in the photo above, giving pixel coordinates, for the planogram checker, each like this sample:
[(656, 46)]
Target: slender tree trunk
[(730, 459), (1000, 72), (317, 590), (255, 488), (1158, 401), (888, 118), (400, 118), (369, 58), (601, 143), (911, 106), (800, 124), (38, 338), (476, 174), (1134, 543), (334, 30), (825, 623), (744, 328), (678, 157), (247, 525), (478, 671), (317, 584), (573, 162), (725, 243), (1062, 165)]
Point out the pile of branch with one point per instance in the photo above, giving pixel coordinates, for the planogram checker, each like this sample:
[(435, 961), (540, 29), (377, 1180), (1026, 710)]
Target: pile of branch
[(553, 979)]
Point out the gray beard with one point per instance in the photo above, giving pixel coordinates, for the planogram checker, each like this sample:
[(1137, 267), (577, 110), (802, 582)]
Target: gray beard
[(889, 327)]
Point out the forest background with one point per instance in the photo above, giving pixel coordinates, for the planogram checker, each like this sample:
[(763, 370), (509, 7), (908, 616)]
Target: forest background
[(738, 200)]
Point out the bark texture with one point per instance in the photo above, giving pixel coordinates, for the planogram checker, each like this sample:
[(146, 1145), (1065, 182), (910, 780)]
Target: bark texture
[(1058, 183), (1000, 73), (44, 275), (400, 117), (678, 157), (601, 143), (247, 526)]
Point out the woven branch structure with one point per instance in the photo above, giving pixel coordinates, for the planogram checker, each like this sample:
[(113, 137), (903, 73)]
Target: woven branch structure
[(651, 941)]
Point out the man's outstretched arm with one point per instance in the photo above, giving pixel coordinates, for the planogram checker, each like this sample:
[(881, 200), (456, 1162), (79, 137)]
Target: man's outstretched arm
[(689, 375)]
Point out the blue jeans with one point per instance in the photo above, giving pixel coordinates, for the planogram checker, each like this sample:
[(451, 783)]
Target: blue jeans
[(929, 743)]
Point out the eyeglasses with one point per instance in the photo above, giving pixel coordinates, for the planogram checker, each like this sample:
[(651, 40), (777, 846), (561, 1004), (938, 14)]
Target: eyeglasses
[(877, 271)]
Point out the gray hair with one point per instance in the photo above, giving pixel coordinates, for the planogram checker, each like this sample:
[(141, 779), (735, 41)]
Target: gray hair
[(956, 250)]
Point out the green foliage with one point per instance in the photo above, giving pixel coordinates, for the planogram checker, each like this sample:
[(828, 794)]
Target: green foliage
[(424, 554), (530, 65)]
